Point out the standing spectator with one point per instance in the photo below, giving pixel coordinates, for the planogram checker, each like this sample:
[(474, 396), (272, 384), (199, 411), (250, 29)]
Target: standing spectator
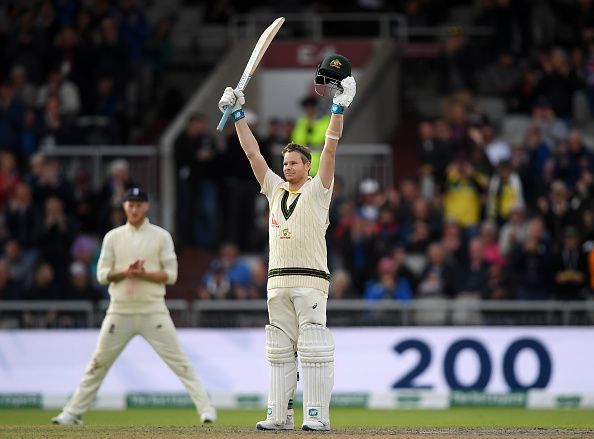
[(435, 155), (134, 32), (505, 192), (159, 50), (54, 238), (196, 155), (310, 130), (462, 194), (455, 65), (65, 90), (240, 190)]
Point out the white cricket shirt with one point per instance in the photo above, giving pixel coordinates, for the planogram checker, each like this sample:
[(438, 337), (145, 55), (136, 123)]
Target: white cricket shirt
[(126, 244), (297, 228)]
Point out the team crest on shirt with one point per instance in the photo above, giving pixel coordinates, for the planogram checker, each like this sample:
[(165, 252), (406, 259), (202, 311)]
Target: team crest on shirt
[(273, 221), (285, 234)]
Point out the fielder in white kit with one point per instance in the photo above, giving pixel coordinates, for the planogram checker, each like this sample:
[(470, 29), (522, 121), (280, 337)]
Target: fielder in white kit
[(137, 260), (298, 276)]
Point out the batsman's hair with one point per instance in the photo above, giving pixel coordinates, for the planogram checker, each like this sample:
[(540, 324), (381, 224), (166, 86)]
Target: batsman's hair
[(304, 151)]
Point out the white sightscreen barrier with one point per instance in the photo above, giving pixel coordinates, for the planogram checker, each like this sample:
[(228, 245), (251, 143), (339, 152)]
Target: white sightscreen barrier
[(556, 360)]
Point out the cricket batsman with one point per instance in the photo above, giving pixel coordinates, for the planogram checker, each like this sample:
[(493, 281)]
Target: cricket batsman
[(298, 276)]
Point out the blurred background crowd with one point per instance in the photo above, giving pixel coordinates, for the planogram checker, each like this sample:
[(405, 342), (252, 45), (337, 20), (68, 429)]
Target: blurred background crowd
[(485, 211)]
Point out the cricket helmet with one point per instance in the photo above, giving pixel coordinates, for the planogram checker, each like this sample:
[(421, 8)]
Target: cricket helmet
[(332, 70)]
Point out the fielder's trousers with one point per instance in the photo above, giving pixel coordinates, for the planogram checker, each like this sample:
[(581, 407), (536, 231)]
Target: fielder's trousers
[(116, 331)]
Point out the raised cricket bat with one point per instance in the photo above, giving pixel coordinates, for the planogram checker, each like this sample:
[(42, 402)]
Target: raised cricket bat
[(252, 64)]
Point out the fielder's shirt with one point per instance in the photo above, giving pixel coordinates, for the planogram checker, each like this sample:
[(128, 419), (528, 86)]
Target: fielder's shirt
[(126, 244), (296, 233)]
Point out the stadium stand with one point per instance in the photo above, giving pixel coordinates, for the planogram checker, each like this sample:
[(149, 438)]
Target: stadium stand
[(488, 217)]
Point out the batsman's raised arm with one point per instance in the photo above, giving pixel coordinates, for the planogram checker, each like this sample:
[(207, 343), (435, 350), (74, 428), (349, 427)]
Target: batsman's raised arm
[(341, 100), (236, 99)]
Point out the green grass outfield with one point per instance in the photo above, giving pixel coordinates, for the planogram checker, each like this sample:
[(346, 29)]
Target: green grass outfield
[(457, 422)]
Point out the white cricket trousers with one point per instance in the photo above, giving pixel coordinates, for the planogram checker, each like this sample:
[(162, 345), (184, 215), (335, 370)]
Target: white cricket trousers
[(290, 308), (116, 331)]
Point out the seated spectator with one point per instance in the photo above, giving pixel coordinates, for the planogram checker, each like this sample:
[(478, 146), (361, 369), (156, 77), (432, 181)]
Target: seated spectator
[(570, 267), (11, 116), (53, 128), (388, 284), (20, 264), (9, 289), (9, 177), (576, 158), (437, 278), (492, 253), (114, 188), (215, 283), (473, 275), (80, 286), (44, 288), (238, 270), (514, 231), (498, 283), (341, 286), (551, 127), (560, 212), (20, 216), (259, 280), (25, 90), (50, 181)]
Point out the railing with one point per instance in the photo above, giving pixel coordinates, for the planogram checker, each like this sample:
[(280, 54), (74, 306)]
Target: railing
[(422, 312), (337, 25)]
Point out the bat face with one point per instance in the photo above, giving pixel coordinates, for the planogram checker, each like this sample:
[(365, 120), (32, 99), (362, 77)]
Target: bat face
[(257, 54)]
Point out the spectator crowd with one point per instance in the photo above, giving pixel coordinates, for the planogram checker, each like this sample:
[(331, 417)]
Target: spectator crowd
[(484, 216)]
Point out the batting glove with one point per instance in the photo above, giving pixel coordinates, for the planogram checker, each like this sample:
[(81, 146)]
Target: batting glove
[(346, 96), (233, 98)]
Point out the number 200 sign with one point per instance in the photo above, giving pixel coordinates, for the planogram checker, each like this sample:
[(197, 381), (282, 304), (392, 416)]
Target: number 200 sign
[(485, 364)]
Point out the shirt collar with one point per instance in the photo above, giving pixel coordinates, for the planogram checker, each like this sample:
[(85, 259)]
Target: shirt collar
[(142, 226), (285, 185)]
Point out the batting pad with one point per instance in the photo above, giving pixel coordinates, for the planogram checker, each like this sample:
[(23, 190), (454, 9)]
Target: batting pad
[(316, 352), (280, 353)]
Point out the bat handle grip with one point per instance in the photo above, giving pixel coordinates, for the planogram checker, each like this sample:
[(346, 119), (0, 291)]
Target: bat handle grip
[(224, 118)]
